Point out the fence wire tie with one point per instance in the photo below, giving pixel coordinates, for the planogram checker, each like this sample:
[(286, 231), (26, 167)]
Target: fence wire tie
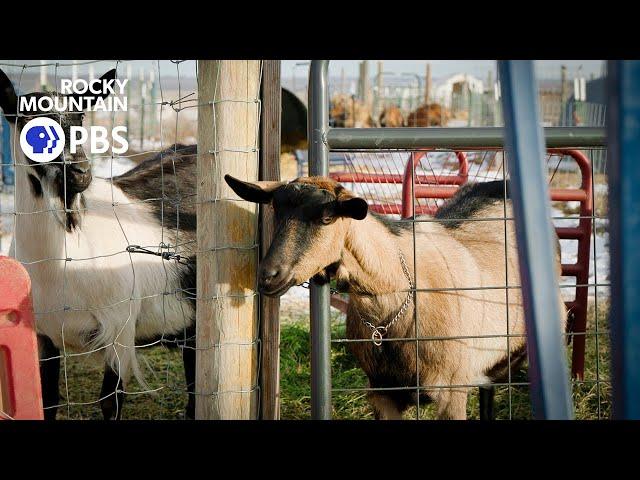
[(172, 103), (164, 255), (306, 285)]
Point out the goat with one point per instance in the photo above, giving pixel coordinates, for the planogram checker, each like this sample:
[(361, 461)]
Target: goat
[(324, 231), (429, 115), (347, 111), (293, 123), (92, 292), (391, 117)]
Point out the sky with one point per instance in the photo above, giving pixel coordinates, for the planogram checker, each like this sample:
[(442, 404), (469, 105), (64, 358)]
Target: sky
[(439, 68), (442, 68)]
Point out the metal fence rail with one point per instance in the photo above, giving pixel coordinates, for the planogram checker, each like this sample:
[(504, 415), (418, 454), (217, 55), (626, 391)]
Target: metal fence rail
[(525, 144), (624, 117), (437, 137)]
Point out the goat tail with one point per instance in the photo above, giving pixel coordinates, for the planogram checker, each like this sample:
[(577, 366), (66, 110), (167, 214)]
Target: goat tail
[(124, 361), (138, 374), (118, 342)]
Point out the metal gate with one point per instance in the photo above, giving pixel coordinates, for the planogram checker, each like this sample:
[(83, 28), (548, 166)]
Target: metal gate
[(551, 397)]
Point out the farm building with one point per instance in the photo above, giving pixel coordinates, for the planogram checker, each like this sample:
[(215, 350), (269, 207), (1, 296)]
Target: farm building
[(453, 91)]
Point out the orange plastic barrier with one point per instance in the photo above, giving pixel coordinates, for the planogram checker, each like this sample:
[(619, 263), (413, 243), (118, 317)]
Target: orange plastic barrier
[(20, 393)]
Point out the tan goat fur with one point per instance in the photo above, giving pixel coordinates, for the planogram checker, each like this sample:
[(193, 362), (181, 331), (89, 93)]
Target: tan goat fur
[(365, 255)]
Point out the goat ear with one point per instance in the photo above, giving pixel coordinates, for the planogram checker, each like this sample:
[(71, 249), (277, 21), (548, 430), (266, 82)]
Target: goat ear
[(257, 192), (110, 75), (356, 208), (8, 98)]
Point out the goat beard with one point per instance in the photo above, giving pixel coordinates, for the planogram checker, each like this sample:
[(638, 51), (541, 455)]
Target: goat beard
[(68, 215)]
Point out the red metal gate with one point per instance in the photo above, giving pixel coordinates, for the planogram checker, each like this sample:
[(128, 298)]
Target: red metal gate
[(434, 186)]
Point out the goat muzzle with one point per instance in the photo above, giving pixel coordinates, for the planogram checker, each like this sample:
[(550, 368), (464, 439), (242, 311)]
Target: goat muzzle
[(78, 179), (274, 281)]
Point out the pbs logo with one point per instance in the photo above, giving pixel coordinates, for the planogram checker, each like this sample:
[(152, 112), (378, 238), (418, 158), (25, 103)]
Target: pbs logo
[(42, 139)]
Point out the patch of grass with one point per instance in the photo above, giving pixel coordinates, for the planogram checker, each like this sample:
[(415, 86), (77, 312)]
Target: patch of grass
[(591, 399), (164, 373)]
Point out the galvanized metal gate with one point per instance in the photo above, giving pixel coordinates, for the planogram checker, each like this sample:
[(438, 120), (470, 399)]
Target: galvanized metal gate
[(524, 142)]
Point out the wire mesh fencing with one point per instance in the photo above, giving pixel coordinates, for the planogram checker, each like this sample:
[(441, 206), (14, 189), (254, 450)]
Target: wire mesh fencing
[(113, 266), (408, 188)]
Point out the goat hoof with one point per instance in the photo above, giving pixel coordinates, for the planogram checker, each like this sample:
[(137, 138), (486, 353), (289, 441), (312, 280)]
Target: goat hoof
[(190, 412), (109, 410), (50, 414)]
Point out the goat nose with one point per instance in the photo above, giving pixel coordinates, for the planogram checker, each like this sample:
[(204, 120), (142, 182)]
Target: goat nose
[(268, 275), (78, 178), (79, 167)]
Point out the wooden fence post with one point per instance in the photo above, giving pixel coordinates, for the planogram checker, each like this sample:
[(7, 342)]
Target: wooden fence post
[(127, 114), (227, 259), (269, 307), (143, 98), (427, 86)]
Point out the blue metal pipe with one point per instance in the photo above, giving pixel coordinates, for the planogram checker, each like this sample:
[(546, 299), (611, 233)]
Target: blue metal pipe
[(623, 133), (7, 173), (524, 141)]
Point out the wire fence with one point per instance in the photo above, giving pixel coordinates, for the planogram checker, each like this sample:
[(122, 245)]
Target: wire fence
[(120, 289), (378, 177), (116, 294)]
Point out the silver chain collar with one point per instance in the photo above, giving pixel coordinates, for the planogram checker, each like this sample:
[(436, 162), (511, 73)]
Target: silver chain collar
[(379, 331)]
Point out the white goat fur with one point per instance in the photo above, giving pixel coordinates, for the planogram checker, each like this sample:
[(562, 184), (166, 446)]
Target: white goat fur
[(115, 294)]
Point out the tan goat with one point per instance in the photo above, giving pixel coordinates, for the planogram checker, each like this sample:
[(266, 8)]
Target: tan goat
[(391, 117), (347, 111), (323, 231), (431, 115)]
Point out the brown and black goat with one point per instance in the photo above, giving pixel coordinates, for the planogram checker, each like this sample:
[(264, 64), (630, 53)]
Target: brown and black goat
[(391, 117), (324, 231)]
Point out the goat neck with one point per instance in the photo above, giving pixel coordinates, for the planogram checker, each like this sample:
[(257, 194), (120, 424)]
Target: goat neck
[(35, 220), (371, 265)]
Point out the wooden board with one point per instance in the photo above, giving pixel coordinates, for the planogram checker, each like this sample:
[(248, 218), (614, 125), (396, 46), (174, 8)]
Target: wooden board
[(269, 307), (227, 304)]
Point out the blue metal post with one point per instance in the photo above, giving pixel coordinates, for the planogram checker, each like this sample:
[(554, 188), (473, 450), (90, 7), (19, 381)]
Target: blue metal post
[(524, 142), (623, 135), (319, 294), (6, 164)]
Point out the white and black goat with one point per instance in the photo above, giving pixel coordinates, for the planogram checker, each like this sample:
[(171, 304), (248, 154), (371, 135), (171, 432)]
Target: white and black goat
[(91, 291), (324, 231)]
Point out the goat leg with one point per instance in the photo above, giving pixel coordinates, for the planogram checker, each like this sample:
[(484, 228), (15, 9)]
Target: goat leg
[(486, 395), (452, 403), (384, 407), (189, 361), (49, 376), (111, 395)]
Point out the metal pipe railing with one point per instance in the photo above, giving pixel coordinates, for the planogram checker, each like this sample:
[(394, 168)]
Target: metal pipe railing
[(319, 294), (524, 144), (624, 227), (455, 138)]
